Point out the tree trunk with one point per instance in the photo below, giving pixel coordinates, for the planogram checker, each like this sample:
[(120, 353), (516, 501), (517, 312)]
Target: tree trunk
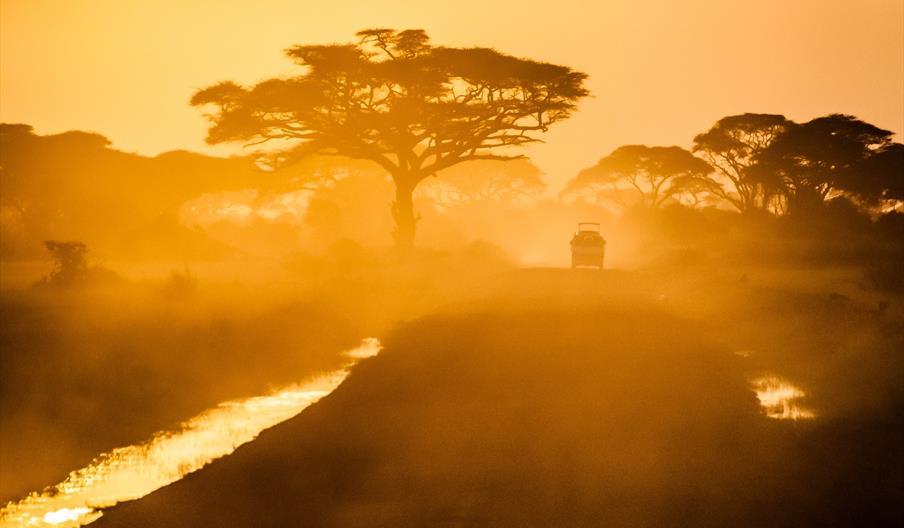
[(403, 214)]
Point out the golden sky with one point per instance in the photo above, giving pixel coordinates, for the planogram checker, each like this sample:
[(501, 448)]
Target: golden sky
[(660, 71)]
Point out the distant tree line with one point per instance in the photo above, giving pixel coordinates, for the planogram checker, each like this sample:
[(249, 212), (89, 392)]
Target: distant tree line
[(756, 163), (440, 124), (75, 186)]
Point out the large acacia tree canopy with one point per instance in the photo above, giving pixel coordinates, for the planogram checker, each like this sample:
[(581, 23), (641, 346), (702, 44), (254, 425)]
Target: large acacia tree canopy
[(395, 99), (737, 137), (657, 173), (655, 161), (731, 146), (837, 153)]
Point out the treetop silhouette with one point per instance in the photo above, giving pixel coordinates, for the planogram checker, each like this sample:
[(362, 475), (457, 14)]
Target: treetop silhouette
[(831, 155), (483, 182), (395, 99), (731, 147), (657, 174)]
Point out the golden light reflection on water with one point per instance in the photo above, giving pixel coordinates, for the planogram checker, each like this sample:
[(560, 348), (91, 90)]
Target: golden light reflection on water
[(128, 473), (779, 398)]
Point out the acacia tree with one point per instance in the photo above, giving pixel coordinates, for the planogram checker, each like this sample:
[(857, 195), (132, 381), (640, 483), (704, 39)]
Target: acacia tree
[(830, 156), (69, 261), (657, 174), (882, 181), (485, 182), (731, 146), (395, 99)]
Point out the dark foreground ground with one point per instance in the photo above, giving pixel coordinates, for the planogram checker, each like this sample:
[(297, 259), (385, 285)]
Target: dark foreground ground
[(539, 411)]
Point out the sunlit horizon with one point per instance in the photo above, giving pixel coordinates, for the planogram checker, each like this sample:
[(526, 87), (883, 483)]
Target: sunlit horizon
[(633, 263), (659, 71)]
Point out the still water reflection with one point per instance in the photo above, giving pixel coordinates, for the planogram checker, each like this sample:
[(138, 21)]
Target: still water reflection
[(780, 399), (128, 473)]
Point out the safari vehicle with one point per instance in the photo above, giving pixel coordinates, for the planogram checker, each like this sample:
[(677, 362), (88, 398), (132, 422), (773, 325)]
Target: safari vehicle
[(588, 247)]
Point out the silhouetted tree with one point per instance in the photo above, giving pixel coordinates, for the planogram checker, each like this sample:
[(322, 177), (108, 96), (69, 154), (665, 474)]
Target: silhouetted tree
[(829, 156), (69, 261), (75, 186), (37, 181), (353, 208), (881, 179), (394, 99), (657, 174), (485, 182), (696, 191), (730, 146)]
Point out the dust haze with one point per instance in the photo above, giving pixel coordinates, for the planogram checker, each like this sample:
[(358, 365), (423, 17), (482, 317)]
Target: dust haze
[(387, 191)]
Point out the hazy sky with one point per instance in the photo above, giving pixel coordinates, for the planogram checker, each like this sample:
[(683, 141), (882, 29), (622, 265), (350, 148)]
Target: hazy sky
[(660, 71)]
